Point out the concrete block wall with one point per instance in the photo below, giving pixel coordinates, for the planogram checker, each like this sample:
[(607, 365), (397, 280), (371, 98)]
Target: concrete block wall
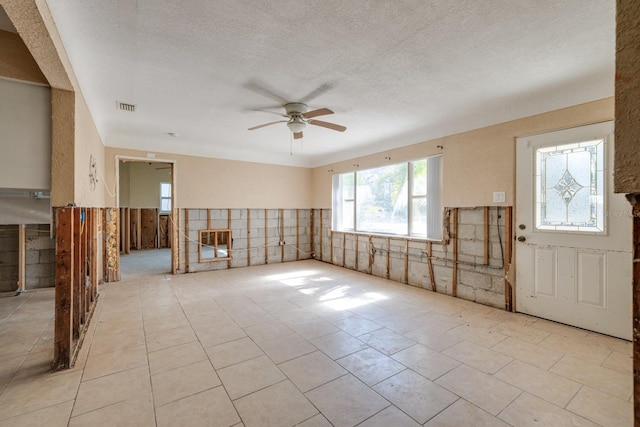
[(475, 281), (40, 251), (256, 235)]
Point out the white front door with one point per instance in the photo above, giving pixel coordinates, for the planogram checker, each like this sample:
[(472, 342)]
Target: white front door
[(573, 235)]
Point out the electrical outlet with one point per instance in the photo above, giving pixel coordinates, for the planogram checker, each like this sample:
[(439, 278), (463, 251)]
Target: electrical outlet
[(499, 197)]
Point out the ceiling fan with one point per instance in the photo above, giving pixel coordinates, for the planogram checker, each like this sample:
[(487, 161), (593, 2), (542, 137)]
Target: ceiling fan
[(298, 117)]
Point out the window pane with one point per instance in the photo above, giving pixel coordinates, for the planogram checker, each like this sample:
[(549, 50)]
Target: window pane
[(165, 205), (419, 178), (419, 216), (568, 191), (382, 200), (165, 189), (347, 215), (348, 186)]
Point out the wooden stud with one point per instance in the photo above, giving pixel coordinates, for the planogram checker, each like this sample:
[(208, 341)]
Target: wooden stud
[(84, 256), (139, 229), (388, 258), (312, 233), (406, 261), (321, 234), (331, 248), (297, 234), (454, 280), (344, 249), (248, 237), (371, 255), (94, 253), (22, 258), (486, 235), (430, 265), (64, 267), (230, 243), (186, 240), (281, 235), (634, 199), (508, 250), (266, 237), (77, 272), (357, 250), (208, 219)]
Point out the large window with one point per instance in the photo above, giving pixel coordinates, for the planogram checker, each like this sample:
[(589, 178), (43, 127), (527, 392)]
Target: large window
[(402, 199)]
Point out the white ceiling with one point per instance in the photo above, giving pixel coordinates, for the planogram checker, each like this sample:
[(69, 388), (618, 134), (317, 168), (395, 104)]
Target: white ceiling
[(394, 72)]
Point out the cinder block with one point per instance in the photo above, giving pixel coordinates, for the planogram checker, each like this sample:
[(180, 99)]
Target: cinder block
[(489, 298), (475, 280), (466, 292)]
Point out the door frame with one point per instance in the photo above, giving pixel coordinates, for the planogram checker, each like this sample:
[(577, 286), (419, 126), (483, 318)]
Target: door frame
[(174, 198)]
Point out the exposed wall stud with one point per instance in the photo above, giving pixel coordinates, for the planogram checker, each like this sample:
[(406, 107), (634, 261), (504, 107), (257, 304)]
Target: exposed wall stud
[(230, 244), (406, 261), (388, 258), (266, 237), (430, 265), (357, 254), (321, 235), (312, 233), (63, 340), (486, 235), (248, 237), (297, 234), (454, 237), (281, 235), (509, 293), (186, 240), (22, 258), (371, 255)]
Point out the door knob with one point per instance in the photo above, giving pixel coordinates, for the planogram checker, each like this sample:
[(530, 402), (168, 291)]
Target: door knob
[(521, 238)]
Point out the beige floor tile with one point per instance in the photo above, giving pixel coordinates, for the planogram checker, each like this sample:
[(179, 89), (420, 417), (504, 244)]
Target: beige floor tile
[(386, 341), (560, 329), (428, 363), (619, 362), (103, 364), (30, 394), (609, 381), (436, 339), (602, 408), (610, 343), (266, 332), (182, 382), (370, 366), (287, 348), (578, 348), (481, 336), (51, 416), (531, 411), (464, 414), (346, 401), (281, 404), (474, 386), (390, 416), (219, 334), (137, 411), (105, 391), (415, 395), (315, 421), (553, 388), (208, 408), (523, 332), (170, 338), (114, 342), (402, 323), (532, 354), (478, 357), (313, 328), (233, 352), (312, 370), (249, 376), (338, 344), (356, 325), (175, 357), (165, 323)]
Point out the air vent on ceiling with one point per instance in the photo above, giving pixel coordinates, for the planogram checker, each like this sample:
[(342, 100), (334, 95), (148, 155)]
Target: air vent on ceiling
[(126, 107)]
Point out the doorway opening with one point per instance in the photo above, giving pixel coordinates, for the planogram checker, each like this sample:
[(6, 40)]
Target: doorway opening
[(146, 199)]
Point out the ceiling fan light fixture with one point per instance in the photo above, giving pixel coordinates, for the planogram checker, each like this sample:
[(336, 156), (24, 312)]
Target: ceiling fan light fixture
[(296, 125)]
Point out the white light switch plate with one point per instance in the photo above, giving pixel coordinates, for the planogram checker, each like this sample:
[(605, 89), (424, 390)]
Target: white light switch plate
[(499, 197)]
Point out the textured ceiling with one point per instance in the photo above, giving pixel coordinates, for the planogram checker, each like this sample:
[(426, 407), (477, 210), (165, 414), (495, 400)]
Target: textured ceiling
[(395, 73)]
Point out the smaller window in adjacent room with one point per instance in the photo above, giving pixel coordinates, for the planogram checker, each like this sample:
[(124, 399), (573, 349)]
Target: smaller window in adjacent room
[(400, 199), (165, 197)]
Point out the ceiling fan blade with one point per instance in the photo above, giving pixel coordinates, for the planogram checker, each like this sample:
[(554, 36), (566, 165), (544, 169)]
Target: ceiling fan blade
[(327, 125), (316, 92), (264, 110), (316, 113), (267, 124), (297, 135), (265, 91)]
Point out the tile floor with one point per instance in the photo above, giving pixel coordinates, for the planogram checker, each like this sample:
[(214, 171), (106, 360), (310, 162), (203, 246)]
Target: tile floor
[(307, 344)]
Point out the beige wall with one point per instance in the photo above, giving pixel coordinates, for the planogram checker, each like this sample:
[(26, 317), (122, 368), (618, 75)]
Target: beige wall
[(475, 163), (140, 183), (627, 175), (17, 63), (202, 182)]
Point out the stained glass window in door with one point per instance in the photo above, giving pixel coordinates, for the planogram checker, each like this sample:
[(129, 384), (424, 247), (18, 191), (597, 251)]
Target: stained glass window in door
[(570, 187)]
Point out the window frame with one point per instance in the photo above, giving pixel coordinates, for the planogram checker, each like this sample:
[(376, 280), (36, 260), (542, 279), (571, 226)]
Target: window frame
[(338, 206), (169, 198)]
